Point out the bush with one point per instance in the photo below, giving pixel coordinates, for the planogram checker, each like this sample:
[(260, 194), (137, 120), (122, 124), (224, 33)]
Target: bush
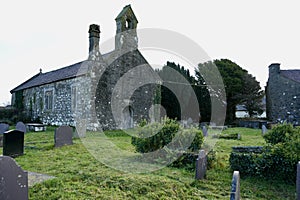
[(155, 136), (245, 163), (280, 133), (277, 160)]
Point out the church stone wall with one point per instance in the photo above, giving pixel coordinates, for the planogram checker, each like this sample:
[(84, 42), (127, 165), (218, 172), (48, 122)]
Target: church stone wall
[(283, 97), (62, 111)]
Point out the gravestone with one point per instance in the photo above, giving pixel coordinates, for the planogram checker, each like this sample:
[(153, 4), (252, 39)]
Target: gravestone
[(21, 127), (63, 136), (3, 129), (239, 136), (201, 165), (298, 181), (13, 180), (205, 131), (235, 186), (264, 129), (13, 143)]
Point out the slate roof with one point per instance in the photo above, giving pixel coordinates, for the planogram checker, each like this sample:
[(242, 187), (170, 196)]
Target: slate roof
[(291, 74), (52, 76)]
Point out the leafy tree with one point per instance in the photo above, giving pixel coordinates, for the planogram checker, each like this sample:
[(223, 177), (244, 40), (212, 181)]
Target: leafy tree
[(241, 87), (169, 100)]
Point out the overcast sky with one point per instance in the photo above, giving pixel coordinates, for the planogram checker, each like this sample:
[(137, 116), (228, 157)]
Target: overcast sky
[(54, 34)]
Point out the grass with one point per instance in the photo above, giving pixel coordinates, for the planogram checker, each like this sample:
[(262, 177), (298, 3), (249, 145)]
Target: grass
[(80, 176)]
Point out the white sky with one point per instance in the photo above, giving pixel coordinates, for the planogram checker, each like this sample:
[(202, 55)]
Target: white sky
[(53, 34)]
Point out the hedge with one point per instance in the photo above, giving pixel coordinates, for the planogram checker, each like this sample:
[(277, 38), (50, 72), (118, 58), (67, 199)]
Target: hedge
[(278, 158)]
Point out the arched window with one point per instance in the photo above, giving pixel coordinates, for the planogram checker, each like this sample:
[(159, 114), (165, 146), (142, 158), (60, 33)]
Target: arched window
[(128, 24)]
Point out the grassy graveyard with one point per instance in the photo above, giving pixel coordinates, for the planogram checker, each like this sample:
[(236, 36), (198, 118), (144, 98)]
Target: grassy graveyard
[(80, 176)]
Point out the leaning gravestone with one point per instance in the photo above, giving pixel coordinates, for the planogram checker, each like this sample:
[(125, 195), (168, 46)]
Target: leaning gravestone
[(3, 129), (298, 181), (21, 127), (201, 165), (205, 131), (13, 180), (13, 143), (264, 129), (235, 186), (63, 136)]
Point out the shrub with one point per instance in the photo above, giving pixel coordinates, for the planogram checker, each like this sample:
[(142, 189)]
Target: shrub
[(155, 136), (280, 133), (245, 163), (277, 160)]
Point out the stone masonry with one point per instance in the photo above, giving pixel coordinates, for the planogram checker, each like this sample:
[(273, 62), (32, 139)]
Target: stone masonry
[(283, 95)]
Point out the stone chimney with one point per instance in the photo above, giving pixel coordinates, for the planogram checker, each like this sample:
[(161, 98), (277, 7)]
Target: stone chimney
[(94, 37), (274, 68)]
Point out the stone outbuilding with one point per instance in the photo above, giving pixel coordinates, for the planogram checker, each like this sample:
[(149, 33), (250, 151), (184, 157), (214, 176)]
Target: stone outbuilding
[(107, 91), (283, 95)]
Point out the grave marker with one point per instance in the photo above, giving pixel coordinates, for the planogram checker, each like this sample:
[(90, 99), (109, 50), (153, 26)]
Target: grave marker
[(264, 129), (3, 128), (63, 136), (205, 131), (235, 186), (13, 180), (21, 127), (13, 143), (201, 165)]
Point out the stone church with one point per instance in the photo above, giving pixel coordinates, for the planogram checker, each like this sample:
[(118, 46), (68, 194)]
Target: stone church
[(283, 95), (107, 91)]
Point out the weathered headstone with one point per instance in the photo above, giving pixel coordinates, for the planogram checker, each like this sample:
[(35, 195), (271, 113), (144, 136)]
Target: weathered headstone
[(21, 127), (13, 143), (264, 129), (235, 186), (204, 131), (13, 180), (298, 181), (3, 128), (239, 136), (63, 136), (201, 165)]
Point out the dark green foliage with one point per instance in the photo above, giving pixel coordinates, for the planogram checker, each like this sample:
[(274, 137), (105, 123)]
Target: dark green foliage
[(241, 87), (277, 160), (11, 116), (155, 136), (279, 134), (19, 101), (245, 163), (186, 161), (169, 100)]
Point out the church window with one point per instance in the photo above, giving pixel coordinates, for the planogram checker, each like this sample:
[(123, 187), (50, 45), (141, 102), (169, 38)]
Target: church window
[(49, 100), (74, 97)]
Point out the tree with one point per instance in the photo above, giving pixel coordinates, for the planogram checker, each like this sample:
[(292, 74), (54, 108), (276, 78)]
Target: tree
[(169, 100), (241, 87)]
